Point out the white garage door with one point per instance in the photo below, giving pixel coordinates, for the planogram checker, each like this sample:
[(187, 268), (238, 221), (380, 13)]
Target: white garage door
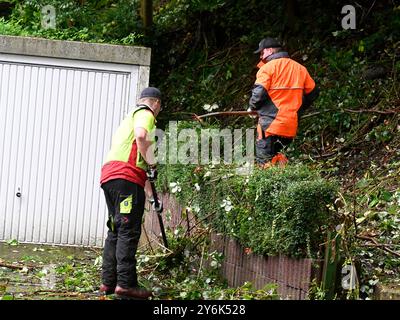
[(56, 122)]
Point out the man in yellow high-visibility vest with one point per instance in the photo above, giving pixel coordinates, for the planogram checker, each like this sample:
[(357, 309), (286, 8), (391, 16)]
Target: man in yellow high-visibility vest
[(123, 179)]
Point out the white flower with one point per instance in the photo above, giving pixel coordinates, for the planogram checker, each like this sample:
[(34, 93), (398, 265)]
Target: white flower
[(245, 170), (175, 187), (196, 208), (227, 205), (209, 108), (197, 187), (205, 295), (207, 174)]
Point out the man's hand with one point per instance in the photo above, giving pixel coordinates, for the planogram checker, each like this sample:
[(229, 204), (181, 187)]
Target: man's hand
[(251, 110), (152, 174), (160, 206)]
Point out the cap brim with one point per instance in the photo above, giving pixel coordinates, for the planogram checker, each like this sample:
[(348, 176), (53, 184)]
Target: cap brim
[(257, 51)]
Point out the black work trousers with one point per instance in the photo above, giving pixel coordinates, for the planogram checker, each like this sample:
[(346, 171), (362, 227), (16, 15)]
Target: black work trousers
[(268, 147), (125, 202)]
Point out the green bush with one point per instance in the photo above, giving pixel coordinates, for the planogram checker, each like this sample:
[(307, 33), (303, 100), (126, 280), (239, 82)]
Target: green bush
[(274, 211), (94, 21)]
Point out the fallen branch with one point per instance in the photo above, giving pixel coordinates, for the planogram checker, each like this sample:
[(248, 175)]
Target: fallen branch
[(225, 113), (376, 244), (55, 293), (394, 111), (15, 266)]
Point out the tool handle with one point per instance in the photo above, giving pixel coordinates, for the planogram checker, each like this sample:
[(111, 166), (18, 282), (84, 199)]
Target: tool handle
[(157, 205)]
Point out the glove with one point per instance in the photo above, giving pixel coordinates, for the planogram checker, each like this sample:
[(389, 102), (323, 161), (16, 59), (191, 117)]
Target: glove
[(152, 174), (153, 205), (249, 109)]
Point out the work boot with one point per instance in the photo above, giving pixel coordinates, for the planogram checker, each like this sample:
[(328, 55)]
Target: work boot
[(280, 160), (106, 289), (132, 293)]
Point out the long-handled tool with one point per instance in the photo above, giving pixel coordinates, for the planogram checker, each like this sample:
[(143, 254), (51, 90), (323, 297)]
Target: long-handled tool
[(225, 113), (157, 204)]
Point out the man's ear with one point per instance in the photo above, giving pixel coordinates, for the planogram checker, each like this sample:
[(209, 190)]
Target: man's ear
[(266, 53)]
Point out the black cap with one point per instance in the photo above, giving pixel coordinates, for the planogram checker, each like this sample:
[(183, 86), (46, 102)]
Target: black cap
[(268, 43), (150, 92)]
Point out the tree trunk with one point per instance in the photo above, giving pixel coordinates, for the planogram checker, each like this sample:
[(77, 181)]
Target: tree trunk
[(146, 12), (291, 13)]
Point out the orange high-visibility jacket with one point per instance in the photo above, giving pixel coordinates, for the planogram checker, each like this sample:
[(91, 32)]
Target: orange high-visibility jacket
[(279, 91)]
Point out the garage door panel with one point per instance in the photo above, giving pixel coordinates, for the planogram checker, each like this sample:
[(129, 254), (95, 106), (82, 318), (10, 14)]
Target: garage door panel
[(9, 208), (61, 121)]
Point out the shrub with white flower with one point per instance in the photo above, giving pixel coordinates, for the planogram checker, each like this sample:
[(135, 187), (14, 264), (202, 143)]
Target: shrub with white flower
[(197, 187), (207, 174), (227, 205), (175, 187), (210, 108), (246, 169)]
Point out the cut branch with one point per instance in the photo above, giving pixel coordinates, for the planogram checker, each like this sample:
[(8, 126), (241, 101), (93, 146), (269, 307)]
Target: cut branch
[(393, 111), (14, 266), (376, 244)]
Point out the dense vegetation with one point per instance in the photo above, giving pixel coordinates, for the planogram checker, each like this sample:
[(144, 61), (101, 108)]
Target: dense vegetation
[(202, 55), (271, 212)]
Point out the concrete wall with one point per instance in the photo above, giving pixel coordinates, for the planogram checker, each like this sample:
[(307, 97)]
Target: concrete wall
[(74, 50)]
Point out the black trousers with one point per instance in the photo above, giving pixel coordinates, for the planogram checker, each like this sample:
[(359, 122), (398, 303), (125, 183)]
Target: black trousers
[(125, 202), (267, 148)]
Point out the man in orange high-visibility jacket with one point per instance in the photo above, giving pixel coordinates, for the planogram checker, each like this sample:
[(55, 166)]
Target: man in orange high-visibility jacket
[(281, 89)]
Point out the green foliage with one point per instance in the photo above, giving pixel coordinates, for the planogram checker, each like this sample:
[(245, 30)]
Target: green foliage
[(316, 292), (275, 211), (371, 219), (291, 208), (77, 276), (95, 21), (191, 271), (13, 242), (202, 54)]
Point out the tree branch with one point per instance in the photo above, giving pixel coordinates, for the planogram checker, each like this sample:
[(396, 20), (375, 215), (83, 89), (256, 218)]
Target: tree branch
[(376, 244), (14, 266), (393, 111)]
